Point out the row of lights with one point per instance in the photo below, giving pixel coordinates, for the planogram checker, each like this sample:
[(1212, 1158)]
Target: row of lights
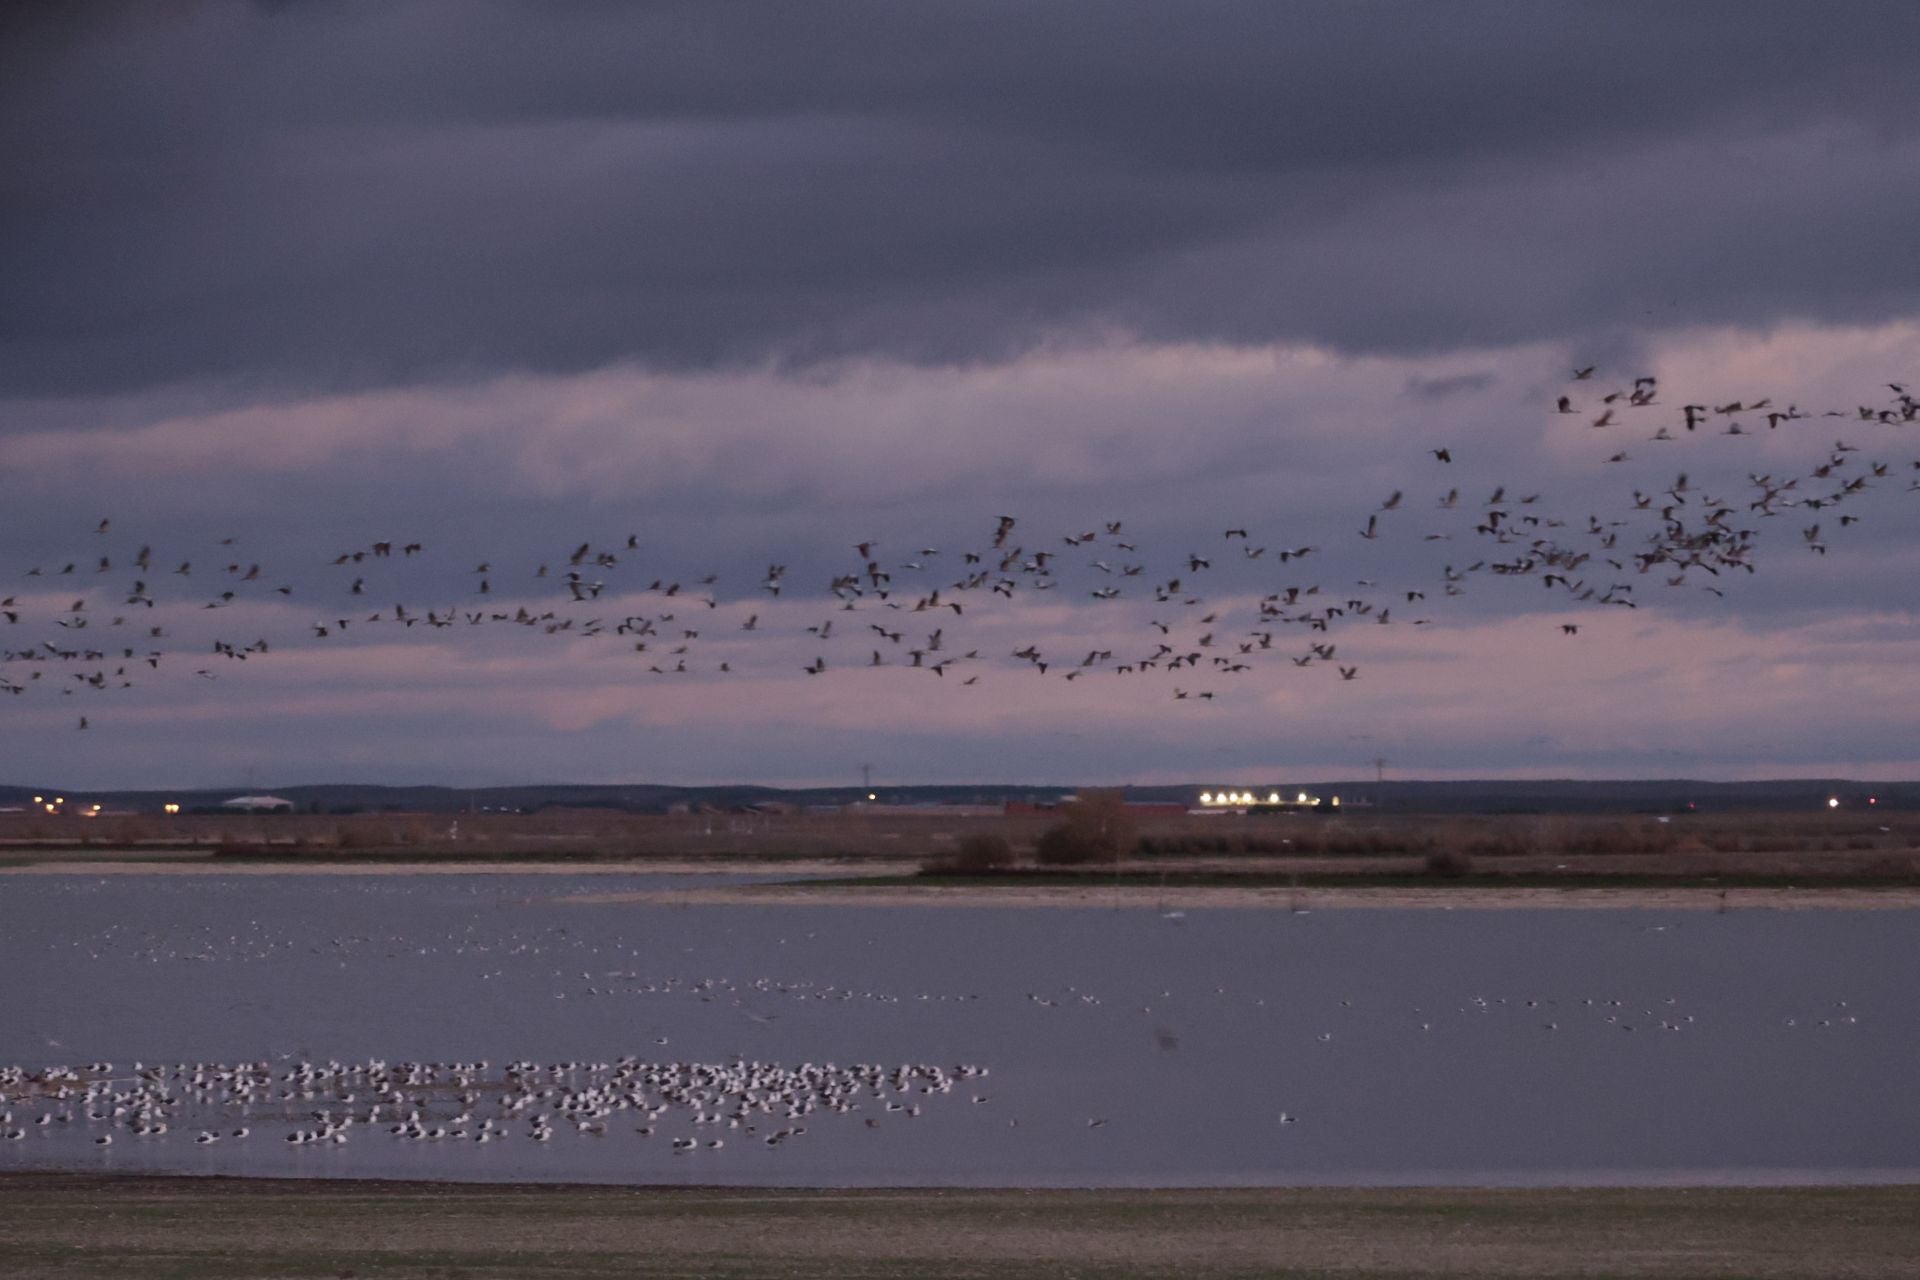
[(58, 805), (1242, 799)]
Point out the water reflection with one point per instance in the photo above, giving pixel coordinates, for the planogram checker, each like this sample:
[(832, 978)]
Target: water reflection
[(1125, 1046)]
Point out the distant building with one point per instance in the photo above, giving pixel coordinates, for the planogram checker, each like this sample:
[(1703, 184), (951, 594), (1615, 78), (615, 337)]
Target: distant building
[(881, 809), (1033, 805), (1138, 808), (258, 804)]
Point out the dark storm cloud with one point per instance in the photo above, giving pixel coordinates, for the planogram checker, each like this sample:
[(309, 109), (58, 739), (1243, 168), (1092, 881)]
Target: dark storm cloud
[(325, 195)]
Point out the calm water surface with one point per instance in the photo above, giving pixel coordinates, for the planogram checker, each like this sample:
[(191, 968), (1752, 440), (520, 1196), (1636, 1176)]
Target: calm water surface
[(1129, 1046)]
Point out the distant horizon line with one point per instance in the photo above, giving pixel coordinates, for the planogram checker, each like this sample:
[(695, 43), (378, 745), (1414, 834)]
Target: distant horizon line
[(878, 787)]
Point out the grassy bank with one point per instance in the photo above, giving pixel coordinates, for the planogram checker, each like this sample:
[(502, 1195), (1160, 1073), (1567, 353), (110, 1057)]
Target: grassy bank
[(1847, 837), (1638, 878), (158, 1228)]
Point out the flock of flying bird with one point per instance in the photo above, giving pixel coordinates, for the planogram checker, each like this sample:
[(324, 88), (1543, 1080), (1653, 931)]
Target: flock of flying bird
[(1195, 621)]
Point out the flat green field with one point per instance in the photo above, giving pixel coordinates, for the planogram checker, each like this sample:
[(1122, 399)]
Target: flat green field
[(154, 1228)]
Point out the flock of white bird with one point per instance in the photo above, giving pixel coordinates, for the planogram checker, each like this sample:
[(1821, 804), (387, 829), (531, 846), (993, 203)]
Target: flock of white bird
[(689, 1106), (308, 1103), (704, 1100)]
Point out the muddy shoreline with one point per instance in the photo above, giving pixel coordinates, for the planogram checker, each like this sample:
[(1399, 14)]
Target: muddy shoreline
[(891, 887), (210, 1229)]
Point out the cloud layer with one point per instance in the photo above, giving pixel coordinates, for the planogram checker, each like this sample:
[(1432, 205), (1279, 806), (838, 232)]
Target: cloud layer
[(372, 193)]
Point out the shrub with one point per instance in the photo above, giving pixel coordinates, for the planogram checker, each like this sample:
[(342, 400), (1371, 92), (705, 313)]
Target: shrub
[(1096, 827), (978, 854), (1059, 846), (1494, 844), (1449, 864)]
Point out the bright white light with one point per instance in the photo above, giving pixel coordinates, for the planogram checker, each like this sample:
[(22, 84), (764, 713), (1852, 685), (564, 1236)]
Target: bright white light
[(1833, 802)]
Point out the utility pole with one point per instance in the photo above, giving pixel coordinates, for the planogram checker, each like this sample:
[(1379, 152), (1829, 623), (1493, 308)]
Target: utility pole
[(866, 779), (1380, 782)]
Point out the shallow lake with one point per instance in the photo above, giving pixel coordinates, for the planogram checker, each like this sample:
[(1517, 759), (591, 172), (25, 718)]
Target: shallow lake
[(1042, 1046)]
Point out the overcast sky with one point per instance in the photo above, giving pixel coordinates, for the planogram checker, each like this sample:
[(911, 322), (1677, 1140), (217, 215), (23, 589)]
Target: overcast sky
[(752, 284)]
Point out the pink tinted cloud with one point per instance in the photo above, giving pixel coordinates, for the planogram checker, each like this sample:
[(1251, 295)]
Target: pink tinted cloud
[(860, 431)]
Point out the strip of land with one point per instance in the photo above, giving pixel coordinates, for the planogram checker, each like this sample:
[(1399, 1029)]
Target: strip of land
[(59, 1226), (203, 863), (1322, 897), (1168, 885)]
